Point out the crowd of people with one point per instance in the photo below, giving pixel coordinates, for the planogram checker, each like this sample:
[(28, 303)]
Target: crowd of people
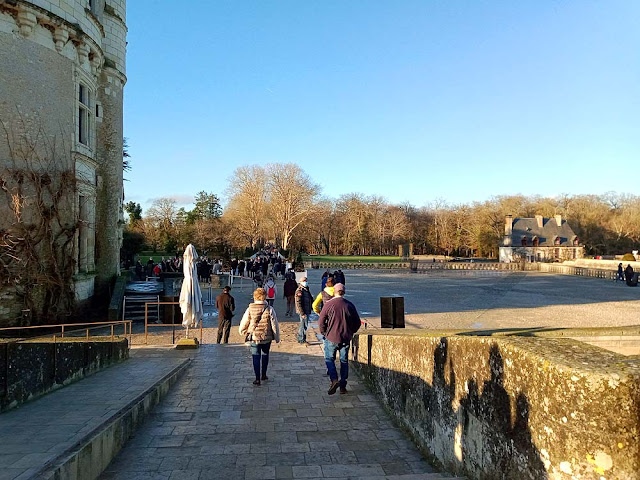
[(154, 269), (338, 318), (338, 322), (266, 262)]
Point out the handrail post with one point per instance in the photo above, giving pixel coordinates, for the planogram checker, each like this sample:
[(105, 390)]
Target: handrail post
[(87, 334), (112, 332), (146, 306), (62, 331)]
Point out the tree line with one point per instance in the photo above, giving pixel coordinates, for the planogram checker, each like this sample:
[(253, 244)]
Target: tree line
[(280, 204)]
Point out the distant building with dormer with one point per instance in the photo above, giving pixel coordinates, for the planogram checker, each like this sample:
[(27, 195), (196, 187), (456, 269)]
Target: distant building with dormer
[(539, 239)]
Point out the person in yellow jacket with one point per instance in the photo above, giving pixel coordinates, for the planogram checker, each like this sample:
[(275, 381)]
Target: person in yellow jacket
[(323, 297)]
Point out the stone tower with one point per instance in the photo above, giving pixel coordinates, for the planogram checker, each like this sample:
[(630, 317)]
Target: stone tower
[(62, 74)]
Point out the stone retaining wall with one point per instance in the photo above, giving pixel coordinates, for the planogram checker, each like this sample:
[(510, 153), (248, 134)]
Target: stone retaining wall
[(31, 369), (561, 269), (358, 265), (510, 408), (426, 266)]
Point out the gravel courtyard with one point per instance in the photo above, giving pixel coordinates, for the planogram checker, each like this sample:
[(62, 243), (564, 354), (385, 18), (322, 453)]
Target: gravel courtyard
[(491, 300)]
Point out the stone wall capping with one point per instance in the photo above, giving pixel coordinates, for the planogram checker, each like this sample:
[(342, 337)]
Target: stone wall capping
[(509, 406)]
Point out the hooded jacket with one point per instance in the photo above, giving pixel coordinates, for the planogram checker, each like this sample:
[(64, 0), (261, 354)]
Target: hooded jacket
[(323, 297)]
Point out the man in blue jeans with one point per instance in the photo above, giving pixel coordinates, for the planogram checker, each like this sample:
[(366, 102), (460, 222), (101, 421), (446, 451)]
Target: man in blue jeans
[(338, 322)]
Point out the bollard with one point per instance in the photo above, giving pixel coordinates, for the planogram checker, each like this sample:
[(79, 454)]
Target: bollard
[(392, 312)]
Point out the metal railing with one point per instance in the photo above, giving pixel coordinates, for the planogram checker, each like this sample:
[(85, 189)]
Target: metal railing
[(138, 299), (64, 330), (165, 325)]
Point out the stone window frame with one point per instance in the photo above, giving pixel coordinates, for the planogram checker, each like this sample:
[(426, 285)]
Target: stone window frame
[(84, 124), (83, 80)]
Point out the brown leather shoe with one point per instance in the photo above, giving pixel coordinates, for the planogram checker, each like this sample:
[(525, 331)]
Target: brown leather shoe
[(256, 382), (264, 377), (343, 390), (334, 386)]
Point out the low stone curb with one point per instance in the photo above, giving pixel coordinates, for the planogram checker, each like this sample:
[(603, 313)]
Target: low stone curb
[(88, 458)]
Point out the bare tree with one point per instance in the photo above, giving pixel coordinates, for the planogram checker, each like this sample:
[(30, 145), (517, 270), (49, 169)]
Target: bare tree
[(246, 210), (292, 197)]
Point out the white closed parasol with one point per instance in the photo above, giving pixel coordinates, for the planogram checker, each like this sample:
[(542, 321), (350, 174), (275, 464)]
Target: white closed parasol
[(190, 294)]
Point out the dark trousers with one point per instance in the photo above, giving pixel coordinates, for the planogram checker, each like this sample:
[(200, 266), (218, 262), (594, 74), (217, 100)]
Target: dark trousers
[(260, 350), (224, 326), (291, 307)]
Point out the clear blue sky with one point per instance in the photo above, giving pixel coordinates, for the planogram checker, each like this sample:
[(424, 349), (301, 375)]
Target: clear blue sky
[(413, 100)]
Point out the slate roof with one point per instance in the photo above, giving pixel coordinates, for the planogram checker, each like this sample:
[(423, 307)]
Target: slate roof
[(528, 227)]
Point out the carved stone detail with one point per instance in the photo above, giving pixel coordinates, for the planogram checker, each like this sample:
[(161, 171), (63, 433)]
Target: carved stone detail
[(95, 62), (83, 52), (61, 37), (27, 21)]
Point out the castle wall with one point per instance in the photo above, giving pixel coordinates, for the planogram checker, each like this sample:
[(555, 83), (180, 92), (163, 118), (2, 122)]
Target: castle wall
[(51, 53)]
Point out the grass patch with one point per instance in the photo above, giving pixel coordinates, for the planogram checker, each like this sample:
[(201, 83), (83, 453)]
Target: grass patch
[(352, 259)]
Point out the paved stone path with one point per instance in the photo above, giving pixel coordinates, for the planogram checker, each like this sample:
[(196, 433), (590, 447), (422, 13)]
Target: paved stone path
[(39, 431), (216, 424)]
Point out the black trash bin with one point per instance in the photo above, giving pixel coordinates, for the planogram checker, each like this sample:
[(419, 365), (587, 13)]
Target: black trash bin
[(392, 312)]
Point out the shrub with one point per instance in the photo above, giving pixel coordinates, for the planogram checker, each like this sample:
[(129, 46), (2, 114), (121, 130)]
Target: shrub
[(628, 257)]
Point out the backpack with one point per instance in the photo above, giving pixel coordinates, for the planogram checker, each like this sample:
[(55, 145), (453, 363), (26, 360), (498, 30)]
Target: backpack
[(271, 293), (262, 325), (325, 298)]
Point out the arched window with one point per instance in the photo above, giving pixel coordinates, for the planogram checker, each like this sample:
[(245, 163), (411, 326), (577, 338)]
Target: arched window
[(556, 241), (524, 241), (576, 242), (536, 241)]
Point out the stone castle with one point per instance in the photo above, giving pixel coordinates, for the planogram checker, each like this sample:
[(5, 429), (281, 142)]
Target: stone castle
[(62, 74)]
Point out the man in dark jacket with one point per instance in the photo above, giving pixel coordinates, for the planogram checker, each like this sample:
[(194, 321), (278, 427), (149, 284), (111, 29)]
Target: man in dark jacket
[(304, 299), (628, 275), (290, 287), (338, 322), (225, 304)]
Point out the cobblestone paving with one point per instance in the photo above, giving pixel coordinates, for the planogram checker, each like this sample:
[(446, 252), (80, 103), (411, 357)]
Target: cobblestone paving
[(41, 430), (216, 424)]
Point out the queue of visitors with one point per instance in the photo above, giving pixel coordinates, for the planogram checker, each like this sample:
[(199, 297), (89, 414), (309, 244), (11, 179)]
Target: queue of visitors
[(338, 318), (153, 269)]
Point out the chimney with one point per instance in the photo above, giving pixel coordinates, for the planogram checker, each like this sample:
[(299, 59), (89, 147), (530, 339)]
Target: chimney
[(508, 225), (539, 221), (559, 220)]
